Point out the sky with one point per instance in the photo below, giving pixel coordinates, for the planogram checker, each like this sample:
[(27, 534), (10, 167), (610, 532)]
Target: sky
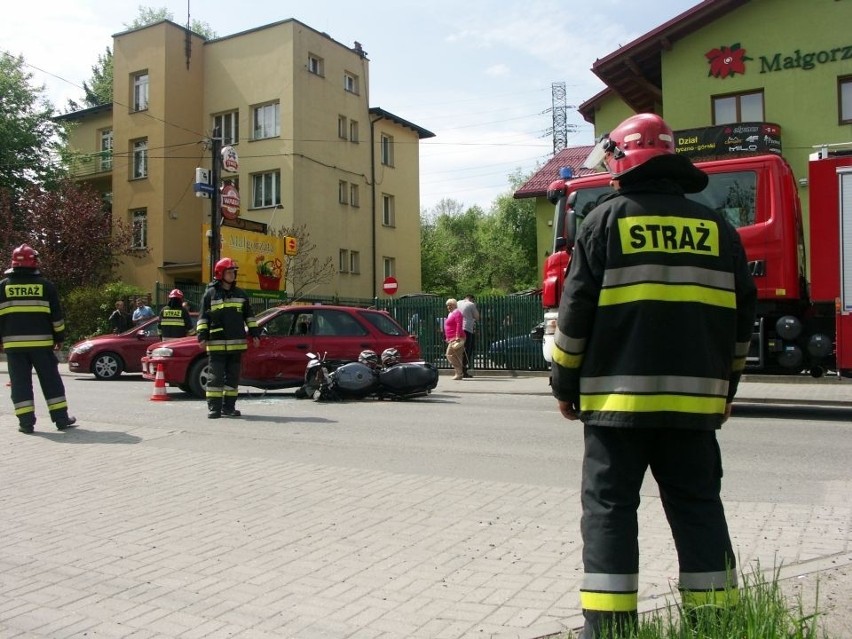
[(477, 73)]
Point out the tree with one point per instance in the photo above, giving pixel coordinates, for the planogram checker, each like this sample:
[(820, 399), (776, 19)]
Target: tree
[(78, 244), (304, 271), (98, 89), (31, 143)]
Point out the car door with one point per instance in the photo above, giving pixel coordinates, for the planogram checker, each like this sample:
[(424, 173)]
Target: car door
[(286, 339), (340, 335)]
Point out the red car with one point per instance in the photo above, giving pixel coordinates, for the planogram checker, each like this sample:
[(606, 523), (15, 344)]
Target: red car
[(288, 333), (108, 356)]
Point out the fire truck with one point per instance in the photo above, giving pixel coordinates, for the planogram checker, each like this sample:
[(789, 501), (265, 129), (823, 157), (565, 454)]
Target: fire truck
[(801, 325)]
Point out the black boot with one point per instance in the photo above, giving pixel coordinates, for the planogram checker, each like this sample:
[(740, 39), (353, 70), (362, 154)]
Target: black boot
[(26, 425), (214, 408), (65, 423), (229, 407)]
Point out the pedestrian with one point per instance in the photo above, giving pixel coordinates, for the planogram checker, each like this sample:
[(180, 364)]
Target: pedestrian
[(454, 337), (175, 320), (470, 318), (119, 320), (142, 312), (652, 333), (32, 328), (225, 316)]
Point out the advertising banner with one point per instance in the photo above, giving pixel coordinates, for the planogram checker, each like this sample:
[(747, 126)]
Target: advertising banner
[(260, 258), (729, 139)]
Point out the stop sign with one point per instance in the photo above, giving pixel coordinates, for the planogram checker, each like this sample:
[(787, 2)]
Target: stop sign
[(390, 285)]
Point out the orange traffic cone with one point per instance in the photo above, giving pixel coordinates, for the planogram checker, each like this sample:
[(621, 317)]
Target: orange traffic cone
[(160, 394)]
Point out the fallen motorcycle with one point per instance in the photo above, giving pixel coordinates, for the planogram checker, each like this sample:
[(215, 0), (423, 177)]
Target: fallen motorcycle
[(334, 381)]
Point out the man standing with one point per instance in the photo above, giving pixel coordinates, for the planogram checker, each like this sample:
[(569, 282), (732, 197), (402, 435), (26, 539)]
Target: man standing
[(470, 316), (119, 320), (32, 328), (225, 315), (653, 330), (141, 312)]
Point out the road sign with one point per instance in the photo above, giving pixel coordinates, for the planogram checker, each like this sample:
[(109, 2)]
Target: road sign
[(291, 245), (390, 285)]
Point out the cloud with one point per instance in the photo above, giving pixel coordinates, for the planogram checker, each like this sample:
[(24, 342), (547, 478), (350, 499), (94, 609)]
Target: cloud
[(498, 70)]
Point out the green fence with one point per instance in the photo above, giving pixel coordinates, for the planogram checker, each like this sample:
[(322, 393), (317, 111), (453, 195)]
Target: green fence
[(502, 339)]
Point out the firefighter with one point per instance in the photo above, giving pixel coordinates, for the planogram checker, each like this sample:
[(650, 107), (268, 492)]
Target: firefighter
[(225, 315), (175, 320), (32, 328), (652, 334)]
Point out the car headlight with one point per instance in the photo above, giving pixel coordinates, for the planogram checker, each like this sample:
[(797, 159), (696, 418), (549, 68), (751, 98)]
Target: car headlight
[(81, 349), (162, 351)]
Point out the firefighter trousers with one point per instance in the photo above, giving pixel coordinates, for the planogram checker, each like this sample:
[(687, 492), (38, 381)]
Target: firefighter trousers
[(687, 466), (224, 382), (21, 364)]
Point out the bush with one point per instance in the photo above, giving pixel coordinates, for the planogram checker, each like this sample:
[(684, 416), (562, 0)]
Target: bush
[(87, 309)]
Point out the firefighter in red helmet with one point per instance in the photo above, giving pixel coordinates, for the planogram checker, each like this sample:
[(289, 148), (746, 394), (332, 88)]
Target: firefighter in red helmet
[(175, 320), (652, 334), (32, 328), (225, 316)]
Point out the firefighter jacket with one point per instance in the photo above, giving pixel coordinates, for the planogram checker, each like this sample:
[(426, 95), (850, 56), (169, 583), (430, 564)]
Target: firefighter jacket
[(657, 313), (30, 312), (225, 315), (175, 321)]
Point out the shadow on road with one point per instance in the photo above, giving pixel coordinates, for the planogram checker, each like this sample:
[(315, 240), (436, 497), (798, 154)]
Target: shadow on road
[(787, 411), (82, 436)]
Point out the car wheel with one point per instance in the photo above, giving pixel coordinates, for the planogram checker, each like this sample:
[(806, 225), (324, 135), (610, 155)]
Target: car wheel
[(107, 366), (199, 375)]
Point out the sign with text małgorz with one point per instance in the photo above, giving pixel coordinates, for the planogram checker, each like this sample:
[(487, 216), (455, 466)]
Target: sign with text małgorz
[(260, 258)]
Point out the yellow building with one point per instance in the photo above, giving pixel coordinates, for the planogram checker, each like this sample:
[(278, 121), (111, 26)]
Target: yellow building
[(294, 105)]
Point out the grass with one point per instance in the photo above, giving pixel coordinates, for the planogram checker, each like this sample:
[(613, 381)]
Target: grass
[(763, 613)]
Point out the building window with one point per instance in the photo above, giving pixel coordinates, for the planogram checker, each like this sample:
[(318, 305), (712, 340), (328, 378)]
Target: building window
[(315, 65), (354, 262), (139, 225), (353, 131), (388, 216), (387, 150), (266, 121), (229, 126), (140, 158), (354, 195), (266, 189), (844, 95), (350, 82), (343, 262), (389, 266), (343, 192), (341, 126), (741, 107), (106, 150), (140, 91)]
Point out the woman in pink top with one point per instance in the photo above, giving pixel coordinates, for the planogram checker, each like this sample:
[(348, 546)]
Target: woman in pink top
[(454, 335)]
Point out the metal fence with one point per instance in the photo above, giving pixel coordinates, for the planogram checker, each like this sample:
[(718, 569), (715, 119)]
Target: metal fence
[(502, 338)]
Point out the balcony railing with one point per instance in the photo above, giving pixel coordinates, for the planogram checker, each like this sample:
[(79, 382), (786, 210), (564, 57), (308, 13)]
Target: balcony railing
[(91, 164)]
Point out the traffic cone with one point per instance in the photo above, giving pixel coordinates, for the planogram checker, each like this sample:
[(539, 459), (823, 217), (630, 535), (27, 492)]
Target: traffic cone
[(160, 394)]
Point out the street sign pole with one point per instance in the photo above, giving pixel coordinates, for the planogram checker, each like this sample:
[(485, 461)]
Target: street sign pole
[(215, 202)]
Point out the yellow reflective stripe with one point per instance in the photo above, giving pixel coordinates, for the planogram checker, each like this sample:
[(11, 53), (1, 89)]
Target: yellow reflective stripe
[(723, 598), (24, 410), (609, 601), (738, 364), (653, 403), (28, 344), (567, 360), (667, 293), (60, 404), (25, 309)]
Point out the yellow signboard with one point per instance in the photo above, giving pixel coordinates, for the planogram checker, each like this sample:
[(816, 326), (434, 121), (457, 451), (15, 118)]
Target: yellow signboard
[(260, 258)]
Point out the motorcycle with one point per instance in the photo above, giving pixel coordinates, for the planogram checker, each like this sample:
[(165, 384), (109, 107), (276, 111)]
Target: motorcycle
[(334, 380)]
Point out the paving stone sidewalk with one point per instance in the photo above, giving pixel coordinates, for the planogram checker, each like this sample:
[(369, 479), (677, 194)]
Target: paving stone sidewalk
[(157, 540)]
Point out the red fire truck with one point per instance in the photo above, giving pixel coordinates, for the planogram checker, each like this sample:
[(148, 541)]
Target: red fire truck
[(800, 325)]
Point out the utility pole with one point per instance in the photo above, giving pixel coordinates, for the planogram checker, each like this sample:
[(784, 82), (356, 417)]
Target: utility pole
[(215, 201)]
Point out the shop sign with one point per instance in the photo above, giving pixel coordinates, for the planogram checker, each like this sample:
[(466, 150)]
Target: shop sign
[(729, 139)]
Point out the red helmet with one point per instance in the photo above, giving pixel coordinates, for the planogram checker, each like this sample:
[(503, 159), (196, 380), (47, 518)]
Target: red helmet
[(26, 256), (221, 266), (176, 293), (633, 142)]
